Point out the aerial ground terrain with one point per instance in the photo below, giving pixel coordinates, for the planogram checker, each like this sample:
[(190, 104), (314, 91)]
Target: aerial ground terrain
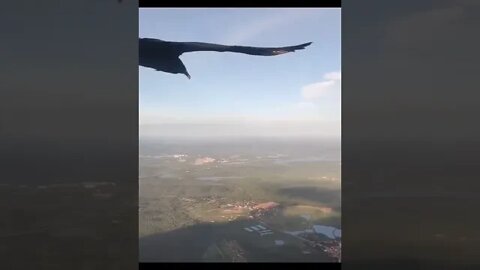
[(245, 200)]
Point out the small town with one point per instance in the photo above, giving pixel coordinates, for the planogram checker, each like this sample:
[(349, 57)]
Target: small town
[(323, 238)]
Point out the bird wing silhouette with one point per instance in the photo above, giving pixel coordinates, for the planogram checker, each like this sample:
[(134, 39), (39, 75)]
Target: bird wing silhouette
[(184, 47)]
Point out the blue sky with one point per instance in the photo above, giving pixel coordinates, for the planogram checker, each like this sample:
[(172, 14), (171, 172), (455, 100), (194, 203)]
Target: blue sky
[(292, 94)]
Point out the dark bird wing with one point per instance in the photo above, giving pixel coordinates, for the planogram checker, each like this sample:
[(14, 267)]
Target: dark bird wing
[(184, 47)]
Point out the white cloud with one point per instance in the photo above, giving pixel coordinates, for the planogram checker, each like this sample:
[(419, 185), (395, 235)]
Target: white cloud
[(320, 89), (317, 90), (335, 76)]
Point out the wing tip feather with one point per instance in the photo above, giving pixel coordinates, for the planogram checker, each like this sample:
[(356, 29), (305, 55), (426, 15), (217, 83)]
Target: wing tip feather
[(304, 45)]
